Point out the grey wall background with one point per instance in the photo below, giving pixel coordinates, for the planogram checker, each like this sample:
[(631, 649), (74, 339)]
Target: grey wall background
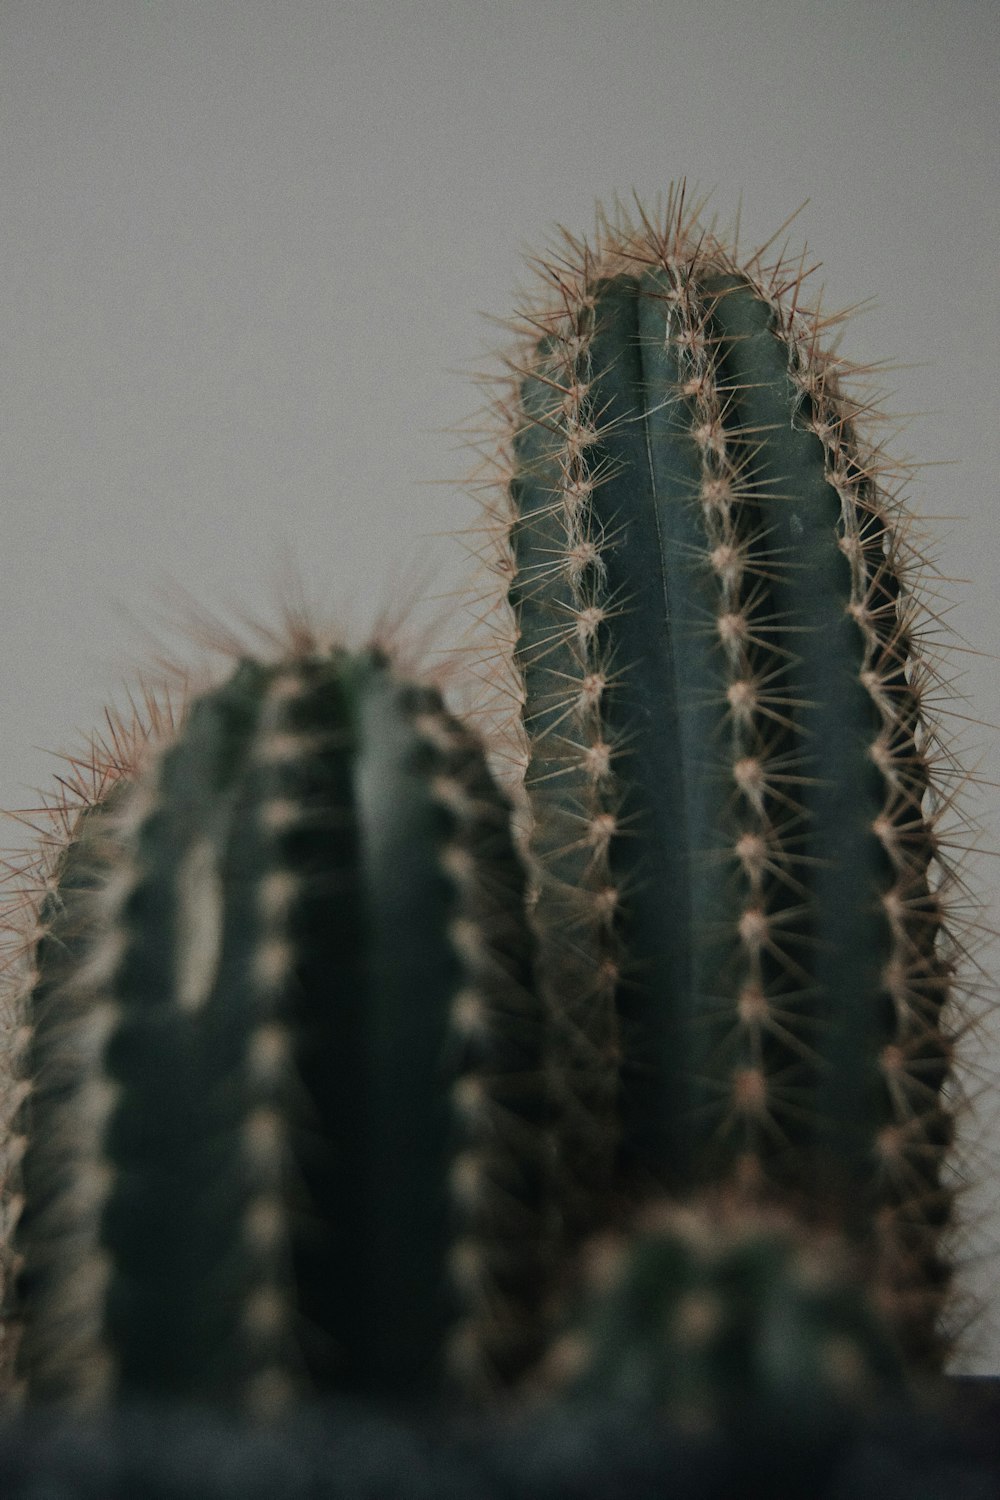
[(245, 243)]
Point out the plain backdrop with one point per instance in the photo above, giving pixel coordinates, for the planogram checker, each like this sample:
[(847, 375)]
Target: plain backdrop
[(245, 249)]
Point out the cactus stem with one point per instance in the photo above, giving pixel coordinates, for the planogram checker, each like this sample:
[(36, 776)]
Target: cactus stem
[(659, 371)]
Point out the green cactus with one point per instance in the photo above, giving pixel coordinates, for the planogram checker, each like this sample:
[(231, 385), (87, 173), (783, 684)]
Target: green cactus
[(720, 1316), (45, 927), (285, 1129), (319, 1095), (734, 807)]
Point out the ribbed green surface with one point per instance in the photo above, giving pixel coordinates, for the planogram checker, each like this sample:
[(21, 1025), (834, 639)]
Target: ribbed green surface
[(320, 1064), (51, 1065), (674, 862), (577, 967), (714, 1322), (842, 940), (765, 888)]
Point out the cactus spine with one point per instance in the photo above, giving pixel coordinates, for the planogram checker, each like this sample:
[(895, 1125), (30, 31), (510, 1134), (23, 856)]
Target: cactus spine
[(739, 882), (286, 1129)]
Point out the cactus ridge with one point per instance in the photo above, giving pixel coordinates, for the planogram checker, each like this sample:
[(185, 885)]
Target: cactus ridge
[(738, 797), (44, 919), (290, 1132)]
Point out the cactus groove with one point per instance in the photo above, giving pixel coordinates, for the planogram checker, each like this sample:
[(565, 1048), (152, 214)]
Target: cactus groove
[(734, 783), (286, 1130)]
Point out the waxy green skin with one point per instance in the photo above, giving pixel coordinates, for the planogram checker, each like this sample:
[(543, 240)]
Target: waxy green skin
[(705, 590), (302, 1064)]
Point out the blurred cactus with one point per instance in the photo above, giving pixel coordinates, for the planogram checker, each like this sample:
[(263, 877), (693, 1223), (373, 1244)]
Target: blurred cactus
[(721, 1316), (285, 1124)]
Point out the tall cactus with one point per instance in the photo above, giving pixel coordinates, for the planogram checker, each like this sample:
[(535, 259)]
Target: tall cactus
[(285, 1128), (740, 888)]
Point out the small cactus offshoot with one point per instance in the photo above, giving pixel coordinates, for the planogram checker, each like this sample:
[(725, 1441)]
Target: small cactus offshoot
[(720, 1316)]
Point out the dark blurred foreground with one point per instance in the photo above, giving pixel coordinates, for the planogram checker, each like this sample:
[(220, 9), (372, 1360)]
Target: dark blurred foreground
[(347, 1452)]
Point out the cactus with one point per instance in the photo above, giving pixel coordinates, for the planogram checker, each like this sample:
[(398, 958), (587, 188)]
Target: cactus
[(285, 1122), (719, 1316), (735, 788), (319, 1095), (45, 920)]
